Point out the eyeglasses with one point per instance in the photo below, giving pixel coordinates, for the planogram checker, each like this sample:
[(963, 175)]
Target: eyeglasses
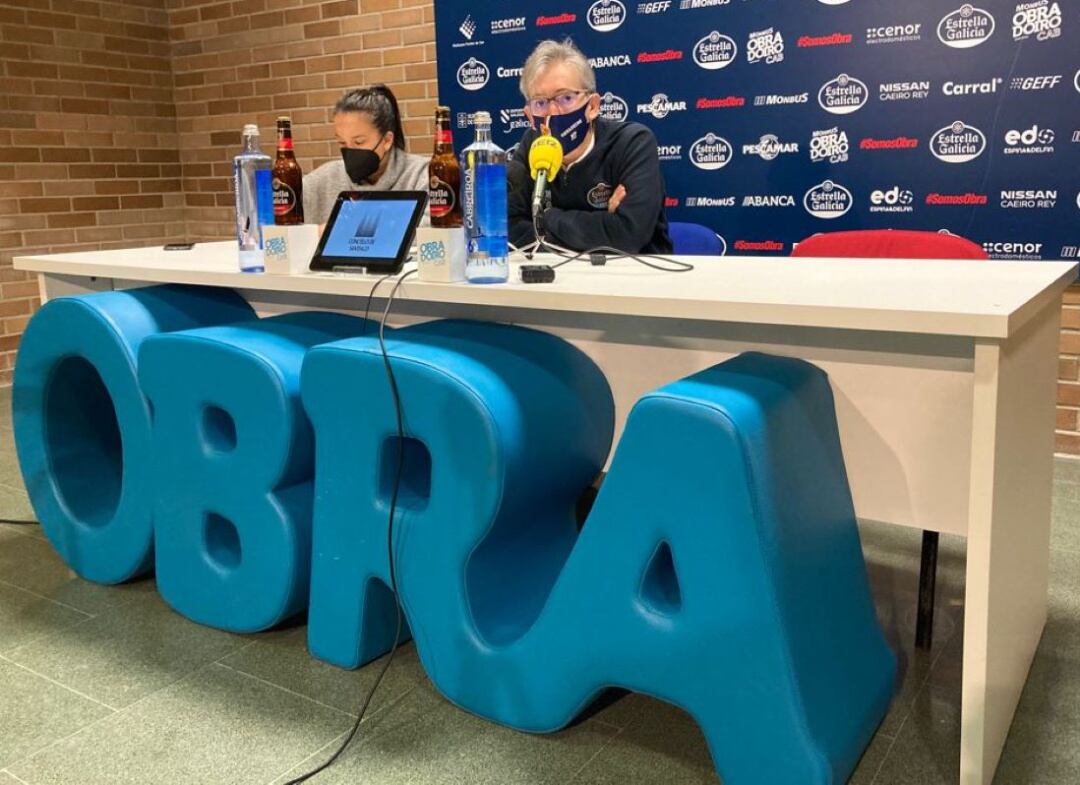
[(564, 101)]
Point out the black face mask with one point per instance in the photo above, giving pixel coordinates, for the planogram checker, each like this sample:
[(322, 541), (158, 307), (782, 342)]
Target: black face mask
[(360, 164)]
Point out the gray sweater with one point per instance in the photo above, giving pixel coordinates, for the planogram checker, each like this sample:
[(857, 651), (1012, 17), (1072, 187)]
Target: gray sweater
[(404, 172)]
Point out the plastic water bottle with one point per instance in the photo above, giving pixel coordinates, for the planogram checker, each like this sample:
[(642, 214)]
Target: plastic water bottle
[(252, 182), (483, 166)]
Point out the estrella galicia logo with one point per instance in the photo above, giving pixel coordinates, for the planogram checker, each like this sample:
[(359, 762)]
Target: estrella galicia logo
[(1076, 80), (715, 51), (958, 143), (473, 74), (711, 152), (843, 95), (600, 195), (606, 15), (827, 200), (613, 108), (832, 2), (965, 27)]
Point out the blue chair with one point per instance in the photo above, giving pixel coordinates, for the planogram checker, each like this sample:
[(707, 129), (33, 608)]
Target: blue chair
[(690, 239)]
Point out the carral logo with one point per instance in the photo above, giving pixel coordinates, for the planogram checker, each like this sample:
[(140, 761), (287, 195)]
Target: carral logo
[(965, 27), (894, 34), (903, 91), (515, 24), (715, 51), (654, 8), (894, 200), (765, 46), (661, 106), (827, 200), (972, 88), (1029, 199), (613, 108), (1032, 83), (768, 200), (782, 100), (710, 201), (769, 147), (1032, 141), (956, 200), (896, 143), (513, 120), (829, 145), (473, 74), (508, 73), (669, 152), (660, 57), (558, 19), (711, 152), (958, 143), (759, 245), (729, 102), (691, 5), (1041, 19), (834, 39), (1014, 250), (843, 95), (606, 15)]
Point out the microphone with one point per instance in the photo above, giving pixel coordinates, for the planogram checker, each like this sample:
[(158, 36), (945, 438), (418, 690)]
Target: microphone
[(545, 160)]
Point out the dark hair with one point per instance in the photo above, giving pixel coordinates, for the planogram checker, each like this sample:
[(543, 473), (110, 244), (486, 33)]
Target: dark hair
[(379, 103)]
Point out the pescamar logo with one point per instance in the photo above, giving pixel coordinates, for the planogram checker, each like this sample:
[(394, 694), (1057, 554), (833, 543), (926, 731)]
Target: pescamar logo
[(894, 34), (769, 147), (715, 51), (514, 24), (965, 27), (843, 95), (903, 91), (958, 143), (1044, 199), (765, 46), (513, 120), (606, 15), (613, 108), (669, 152), (710, 201), (827, 200), (473, 74), (768, 200), (830, 144), (1023, 251), (894, 200), (781, 100), (1030, 141), (1041, 19), (711, 152), (661, 106)]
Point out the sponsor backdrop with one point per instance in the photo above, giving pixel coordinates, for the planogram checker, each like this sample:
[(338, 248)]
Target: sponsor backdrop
[(776, 119)]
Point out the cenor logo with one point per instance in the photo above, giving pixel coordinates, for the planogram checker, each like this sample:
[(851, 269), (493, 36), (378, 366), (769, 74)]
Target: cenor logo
[(473, 74), (613, 108), (843, 95), (965, 27), (715, 51), (827, 200), (711, 152), (606, 15), (958, 143)]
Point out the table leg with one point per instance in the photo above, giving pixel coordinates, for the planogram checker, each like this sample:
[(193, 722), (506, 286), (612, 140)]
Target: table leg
[(1008, 533)]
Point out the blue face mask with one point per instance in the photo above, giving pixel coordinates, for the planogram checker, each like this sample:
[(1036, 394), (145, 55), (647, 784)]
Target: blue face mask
[(570, 128)]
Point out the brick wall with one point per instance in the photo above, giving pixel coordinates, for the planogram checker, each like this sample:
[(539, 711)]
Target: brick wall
[(252, 60), (118, 122), (88, 144)]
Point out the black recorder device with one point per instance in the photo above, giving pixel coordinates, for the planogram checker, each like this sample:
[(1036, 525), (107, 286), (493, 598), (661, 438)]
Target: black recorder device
[(537, 273)]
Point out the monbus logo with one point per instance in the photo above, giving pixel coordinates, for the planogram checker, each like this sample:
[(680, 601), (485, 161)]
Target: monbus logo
[(715, 51), (958, 143), (606, 15), (965, 27), (473, 74), (711, 152)]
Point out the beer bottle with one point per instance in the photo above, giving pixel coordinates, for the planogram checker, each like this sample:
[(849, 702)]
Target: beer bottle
[(288, 180), (444, 176)]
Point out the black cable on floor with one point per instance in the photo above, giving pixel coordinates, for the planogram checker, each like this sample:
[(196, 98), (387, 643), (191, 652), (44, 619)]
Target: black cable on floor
[(389, 537), (12, 522)]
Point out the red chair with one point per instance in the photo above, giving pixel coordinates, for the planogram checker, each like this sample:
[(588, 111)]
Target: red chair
[(901, 244)]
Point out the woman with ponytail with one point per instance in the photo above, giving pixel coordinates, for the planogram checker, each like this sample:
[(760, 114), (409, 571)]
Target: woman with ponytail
[(367, 125)]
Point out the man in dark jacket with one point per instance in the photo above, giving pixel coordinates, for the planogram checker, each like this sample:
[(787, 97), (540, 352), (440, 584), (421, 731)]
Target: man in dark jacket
[(610, 191)]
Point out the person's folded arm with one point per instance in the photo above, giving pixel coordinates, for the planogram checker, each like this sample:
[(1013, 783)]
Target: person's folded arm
[(632, 225)]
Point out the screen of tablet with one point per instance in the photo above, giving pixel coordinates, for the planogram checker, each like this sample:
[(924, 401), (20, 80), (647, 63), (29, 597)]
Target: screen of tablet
[(370, 230)]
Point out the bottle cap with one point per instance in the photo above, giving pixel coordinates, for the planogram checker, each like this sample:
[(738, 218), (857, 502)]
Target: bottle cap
[(251, 130), (442, 109), (284, 119), (482, 117)]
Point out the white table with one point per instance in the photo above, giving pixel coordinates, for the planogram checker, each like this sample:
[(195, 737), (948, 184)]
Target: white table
[(943, 373)]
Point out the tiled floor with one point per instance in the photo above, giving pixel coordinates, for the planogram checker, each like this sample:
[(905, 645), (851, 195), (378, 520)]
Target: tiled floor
[(107, 686)]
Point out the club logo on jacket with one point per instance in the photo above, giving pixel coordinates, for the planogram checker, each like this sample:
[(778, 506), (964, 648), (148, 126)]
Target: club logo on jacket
[(600, 195)]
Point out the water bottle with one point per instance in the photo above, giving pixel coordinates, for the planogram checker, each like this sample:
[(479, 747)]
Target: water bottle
[(483, 166), (252, 182)]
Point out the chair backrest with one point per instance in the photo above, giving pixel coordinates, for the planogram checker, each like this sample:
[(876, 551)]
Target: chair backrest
[(890, 244), (689, 239)]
